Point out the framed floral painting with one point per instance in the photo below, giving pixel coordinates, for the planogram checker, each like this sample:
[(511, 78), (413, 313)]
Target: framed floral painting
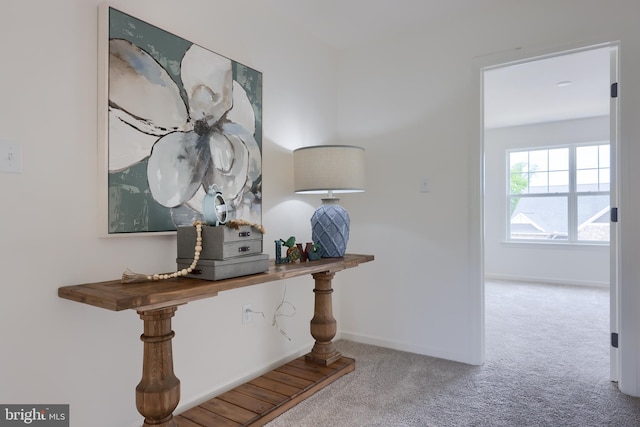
[(178, 121)]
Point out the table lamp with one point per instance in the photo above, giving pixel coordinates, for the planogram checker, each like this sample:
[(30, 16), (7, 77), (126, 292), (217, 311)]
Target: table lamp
[(329, 169)]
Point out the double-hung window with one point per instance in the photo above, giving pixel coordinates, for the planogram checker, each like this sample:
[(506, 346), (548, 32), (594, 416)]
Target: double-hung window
[(559, 194)]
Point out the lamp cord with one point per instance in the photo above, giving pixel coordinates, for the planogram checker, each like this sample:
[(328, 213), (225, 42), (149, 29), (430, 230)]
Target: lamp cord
[(277, 313)]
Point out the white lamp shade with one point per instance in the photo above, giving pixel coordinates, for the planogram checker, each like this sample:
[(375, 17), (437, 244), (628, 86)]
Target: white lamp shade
[(322, 168)]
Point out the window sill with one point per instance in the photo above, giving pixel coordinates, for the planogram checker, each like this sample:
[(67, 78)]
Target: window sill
[(529, 244)]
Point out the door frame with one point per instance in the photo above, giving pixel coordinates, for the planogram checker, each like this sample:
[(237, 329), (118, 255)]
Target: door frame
[(477, 177), (614, 240)]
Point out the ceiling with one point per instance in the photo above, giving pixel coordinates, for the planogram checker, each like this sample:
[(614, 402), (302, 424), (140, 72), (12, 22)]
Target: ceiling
[(349, 23), (514, 95), (569, 86)]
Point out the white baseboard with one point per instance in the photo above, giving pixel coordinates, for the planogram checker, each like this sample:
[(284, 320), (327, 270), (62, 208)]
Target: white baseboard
[(403, 346), (545, 280)]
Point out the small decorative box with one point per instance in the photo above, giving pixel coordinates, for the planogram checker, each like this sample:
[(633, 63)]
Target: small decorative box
[(208, 269), (220, 243)]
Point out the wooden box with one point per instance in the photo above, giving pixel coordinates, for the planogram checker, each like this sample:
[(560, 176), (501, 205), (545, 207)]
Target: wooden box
[(208, 269), (220, 243)]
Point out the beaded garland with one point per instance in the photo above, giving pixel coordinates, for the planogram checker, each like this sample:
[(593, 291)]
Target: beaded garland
[(130, 277), (237, 223), (196, 256)]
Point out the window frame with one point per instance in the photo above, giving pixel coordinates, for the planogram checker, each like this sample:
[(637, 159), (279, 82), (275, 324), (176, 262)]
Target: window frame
[(572, 196)]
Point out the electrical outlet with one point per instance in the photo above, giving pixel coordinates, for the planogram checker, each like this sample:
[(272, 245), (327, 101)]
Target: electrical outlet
[(246, 314)]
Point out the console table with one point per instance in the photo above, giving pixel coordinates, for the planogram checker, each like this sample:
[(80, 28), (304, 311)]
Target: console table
[(254, 403)]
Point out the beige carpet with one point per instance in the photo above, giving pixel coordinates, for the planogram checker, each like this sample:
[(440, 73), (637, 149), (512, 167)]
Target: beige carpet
[(547, 364)]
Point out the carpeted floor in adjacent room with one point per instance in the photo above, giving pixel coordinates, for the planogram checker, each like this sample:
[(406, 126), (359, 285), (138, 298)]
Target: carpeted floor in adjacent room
[(547, 364)]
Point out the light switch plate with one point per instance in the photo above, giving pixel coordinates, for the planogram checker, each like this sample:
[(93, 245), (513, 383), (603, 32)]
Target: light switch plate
[(10, 157), (424, 185)]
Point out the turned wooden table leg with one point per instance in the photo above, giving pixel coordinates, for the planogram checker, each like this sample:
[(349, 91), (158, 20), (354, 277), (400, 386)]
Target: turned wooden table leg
[(158, 393), (323, 325)]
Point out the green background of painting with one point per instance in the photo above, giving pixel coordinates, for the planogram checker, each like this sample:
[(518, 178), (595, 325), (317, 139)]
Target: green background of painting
[(132, 208)]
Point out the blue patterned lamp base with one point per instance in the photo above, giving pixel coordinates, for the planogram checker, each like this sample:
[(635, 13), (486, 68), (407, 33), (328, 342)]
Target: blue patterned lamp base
[(330, 228)]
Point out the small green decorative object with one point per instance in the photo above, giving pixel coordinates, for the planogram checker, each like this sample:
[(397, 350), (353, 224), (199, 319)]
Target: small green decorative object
[(290, 242), (293, 253), (314, 253)]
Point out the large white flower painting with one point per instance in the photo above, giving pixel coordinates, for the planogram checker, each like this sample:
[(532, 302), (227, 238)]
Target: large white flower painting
[(182, 121)]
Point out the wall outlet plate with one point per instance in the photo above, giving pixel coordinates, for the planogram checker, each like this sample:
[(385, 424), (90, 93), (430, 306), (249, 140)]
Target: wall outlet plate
[(10, 157), (246, 314)]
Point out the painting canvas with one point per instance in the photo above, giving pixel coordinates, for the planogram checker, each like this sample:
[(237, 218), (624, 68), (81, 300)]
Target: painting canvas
[(178, 121)]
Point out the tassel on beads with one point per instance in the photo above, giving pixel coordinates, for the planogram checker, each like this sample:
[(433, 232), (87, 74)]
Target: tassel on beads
[(130, 277)]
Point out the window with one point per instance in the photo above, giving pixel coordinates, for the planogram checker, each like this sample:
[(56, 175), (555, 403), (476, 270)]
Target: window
[(559, 194)]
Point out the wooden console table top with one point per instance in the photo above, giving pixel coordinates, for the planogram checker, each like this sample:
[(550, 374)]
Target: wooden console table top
[(115, 295)]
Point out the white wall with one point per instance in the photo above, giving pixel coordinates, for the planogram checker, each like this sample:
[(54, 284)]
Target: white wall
[(569, 264), (413, 101), (58, 351)]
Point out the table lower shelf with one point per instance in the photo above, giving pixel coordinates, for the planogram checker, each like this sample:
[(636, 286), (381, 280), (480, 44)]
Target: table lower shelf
[(262, 399)]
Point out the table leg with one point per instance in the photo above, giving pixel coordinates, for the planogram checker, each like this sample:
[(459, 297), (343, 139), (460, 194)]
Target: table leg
[(158, 393), (323, 325)]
